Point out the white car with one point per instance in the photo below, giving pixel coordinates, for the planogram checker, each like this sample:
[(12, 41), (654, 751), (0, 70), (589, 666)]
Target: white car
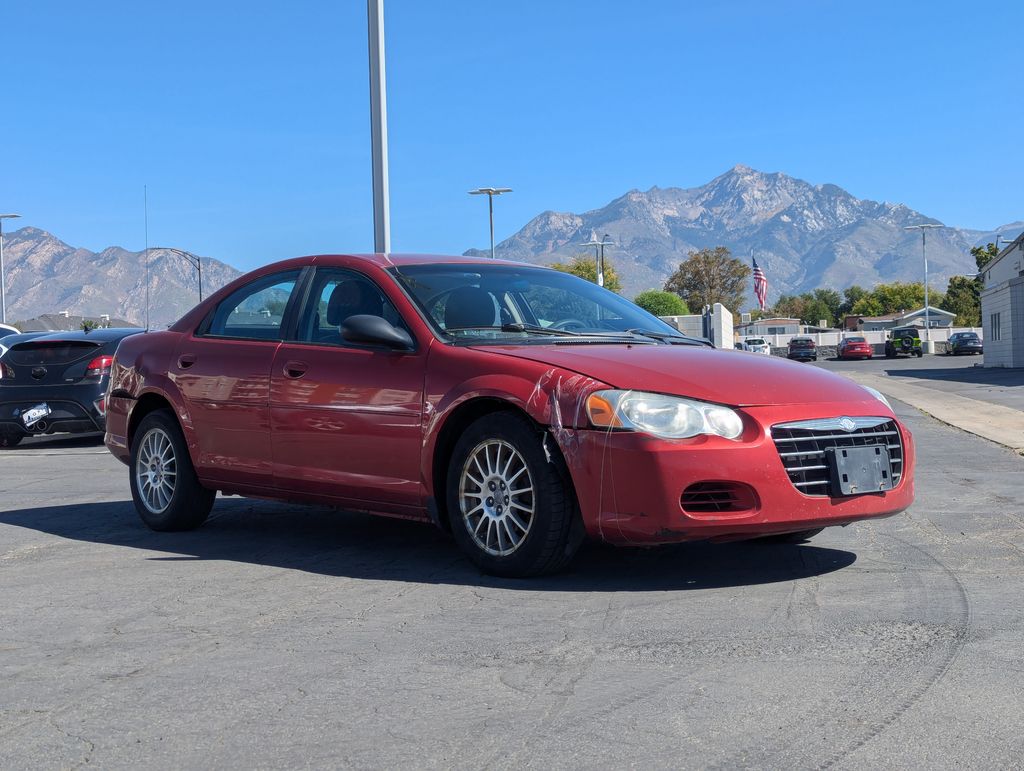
[(758, 345)]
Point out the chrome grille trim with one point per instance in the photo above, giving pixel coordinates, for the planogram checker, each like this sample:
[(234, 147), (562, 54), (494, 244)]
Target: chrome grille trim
[(800, 444)]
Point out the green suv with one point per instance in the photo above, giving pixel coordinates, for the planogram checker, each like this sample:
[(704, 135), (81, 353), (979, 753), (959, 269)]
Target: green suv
[(903, 340)]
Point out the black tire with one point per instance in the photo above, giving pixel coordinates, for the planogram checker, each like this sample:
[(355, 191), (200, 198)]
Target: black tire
[(919, 354), (10, 438), (188, 503), (553, 531), (798, 537)]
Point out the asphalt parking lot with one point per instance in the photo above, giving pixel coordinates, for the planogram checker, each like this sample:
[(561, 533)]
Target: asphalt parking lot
[(960, 375), (282, 636)]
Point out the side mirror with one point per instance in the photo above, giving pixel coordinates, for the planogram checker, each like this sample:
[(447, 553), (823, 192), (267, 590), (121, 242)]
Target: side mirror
[(374, 330)]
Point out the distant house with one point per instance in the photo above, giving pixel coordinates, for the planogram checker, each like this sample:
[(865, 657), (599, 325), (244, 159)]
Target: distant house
[(65, 322), (761, 327), (937, 319), (1002, 307)]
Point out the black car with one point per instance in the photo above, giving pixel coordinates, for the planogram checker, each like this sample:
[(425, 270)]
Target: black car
[(56, 382), (964, 342), (802, 349)]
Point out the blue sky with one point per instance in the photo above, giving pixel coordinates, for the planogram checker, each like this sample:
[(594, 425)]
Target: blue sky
[(248, 123)]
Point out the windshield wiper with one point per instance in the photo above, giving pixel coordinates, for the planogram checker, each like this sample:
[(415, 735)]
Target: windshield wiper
[(516, 327), (664, 337)]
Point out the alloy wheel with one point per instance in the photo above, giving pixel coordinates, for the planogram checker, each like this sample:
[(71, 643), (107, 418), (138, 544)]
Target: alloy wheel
[(156, 470), (496, 497)]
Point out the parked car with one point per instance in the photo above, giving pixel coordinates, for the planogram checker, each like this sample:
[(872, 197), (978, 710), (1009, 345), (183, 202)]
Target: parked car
[(903, 340), (758, 345), (959, 342), (56, 382), (802, 349), (519, 408), (855, 348), (10, 338)]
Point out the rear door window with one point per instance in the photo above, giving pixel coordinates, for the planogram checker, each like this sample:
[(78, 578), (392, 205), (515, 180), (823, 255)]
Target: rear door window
[(256, 311)]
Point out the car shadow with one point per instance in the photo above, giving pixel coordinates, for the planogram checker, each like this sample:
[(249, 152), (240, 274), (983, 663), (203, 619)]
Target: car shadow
[(329, 542)]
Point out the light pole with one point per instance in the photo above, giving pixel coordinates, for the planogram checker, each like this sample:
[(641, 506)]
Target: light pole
[(490, 192), (3, 276), (193, 260), (379, 127), (924, 228), (599, 255)]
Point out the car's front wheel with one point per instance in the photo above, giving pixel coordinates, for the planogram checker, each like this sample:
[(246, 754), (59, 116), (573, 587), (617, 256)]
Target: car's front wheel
[(510, 503), (165, 488)]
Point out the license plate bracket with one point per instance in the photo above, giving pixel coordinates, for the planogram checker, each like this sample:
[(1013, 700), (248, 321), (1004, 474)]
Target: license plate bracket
[(859, 470), (30, 417)]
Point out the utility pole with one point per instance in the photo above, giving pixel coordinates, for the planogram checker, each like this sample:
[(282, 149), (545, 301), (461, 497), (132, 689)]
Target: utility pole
[(599, 255), (193, 259), (3, 275), (379, 127), (490, 192), (924, 228)]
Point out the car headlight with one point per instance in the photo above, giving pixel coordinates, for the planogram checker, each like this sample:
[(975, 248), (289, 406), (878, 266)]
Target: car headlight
[(878, 395), (667, 417)]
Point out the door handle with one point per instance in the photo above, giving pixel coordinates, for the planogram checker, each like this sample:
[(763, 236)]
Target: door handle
[(185, 361), (295, 369)]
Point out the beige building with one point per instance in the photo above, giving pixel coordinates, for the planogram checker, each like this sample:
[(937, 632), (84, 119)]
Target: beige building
[(1002, 307)]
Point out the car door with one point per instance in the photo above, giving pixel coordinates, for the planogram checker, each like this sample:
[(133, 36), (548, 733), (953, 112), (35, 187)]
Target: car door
[(347, 418), (223, 374)]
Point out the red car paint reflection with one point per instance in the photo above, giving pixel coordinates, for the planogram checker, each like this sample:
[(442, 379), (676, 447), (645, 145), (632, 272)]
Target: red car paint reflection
[(519, 408)]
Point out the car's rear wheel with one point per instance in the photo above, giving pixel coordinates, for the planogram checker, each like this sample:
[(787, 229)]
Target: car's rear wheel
[(797, 537), (9, 438), (510, 504), (165, 489)]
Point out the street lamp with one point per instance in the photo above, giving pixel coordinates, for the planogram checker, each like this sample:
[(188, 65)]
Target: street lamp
[(193, 260), (3, 297), (490, 192), (924, 228), (599, 255)]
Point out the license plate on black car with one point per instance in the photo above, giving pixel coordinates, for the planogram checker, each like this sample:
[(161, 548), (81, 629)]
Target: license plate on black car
[(30, 417), (858, 470)]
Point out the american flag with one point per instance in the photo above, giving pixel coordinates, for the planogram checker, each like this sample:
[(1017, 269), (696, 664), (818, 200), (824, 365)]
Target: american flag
[(760, 284)]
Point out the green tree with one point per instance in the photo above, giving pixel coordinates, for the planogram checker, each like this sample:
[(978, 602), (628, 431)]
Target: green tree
[(88, 325), (983, 255), (585, 266), (963, 299), (851, 296), (661, 303), (710, 276), (895, 297), (809, 307)]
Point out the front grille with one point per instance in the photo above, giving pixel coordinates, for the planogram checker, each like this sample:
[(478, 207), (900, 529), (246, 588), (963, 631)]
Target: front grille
[(802, 446)]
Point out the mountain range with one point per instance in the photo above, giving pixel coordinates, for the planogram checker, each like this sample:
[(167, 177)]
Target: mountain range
[(803, 236), (46, 275)]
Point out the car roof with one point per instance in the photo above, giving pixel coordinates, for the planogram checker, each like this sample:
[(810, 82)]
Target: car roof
[(399, 260)]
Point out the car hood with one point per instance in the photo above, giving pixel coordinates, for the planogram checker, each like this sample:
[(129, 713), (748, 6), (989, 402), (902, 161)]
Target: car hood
[(737, 378)]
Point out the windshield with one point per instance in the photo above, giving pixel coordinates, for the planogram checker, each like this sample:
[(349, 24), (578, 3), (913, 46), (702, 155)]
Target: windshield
[(509, 301), (855, 340), (755, 341)]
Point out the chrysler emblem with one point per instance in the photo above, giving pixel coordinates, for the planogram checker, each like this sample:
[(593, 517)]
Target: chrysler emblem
[(847, 424)]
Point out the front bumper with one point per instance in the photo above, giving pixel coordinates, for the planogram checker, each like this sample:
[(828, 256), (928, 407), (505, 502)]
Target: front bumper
[(629, 485)]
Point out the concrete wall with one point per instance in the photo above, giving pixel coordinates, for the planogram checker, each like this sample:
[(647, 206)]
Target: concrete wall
[(721, 323), (1006, 268)]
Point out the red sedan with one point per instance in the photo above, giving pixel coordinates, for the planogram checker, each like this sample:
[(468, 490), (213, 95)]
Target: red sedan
[(855, 348), (519, 408)]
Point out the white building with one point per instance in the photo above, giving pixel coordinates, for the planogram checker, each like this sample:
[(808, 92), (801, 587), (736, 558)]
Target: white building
[(762, 327), (1002, 307), (937, 319)]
